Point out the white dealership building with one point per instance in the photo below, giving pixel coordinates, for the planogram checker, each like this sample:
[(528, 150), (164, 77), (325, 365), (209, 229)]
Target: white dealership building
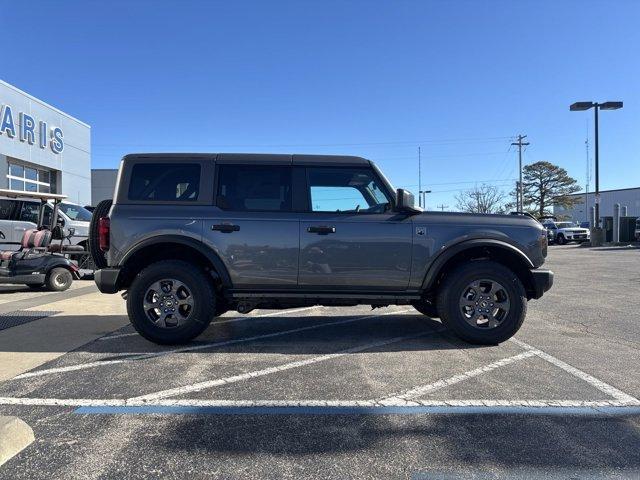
[(43, 149)]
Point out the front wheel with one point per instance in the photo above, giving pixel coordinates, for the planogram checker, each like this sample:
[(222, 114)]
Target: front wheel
[(562, 240), (171, 302), (482, 302)]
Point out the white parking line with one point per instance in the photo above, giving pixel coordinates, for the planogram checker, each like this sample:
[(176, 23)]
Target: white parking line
[(416, 392), (223, 321), (197, 387), (120, 335), (84, 366), (107, 402), (591, 380)]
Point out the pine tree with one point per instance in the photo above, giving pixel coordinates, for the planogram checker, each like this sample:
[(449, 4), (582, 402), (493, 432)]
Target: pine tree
[(544, 185)]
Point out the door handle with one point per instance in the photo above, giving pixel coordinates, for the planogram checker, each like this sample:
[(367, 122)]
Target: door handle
[(321, 230), (225, 227)]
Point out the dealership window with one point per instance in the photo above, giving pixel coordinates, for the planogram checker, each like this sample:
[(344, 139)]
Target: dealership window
[(26, 178)]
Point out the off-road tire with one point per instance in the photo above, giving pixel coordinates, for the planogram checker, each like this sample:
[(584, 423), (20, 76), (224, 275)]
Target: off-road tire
[(93, 241), (199, 285), (453, 288), (58, 279), (426, 308)]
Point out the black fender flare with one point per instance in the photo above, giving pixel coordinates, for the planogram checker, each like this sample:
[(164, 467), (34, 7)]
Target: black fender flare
[(200, 247), (449, 252)]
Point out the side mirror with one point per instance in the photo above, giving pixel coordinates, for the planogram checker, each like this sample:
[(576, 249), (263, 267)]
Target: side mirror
[(405, 201), (60, 221)]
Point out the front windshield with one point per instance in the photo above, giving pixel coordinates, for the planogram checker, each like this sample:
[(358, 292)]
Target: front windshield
[(75, 212)]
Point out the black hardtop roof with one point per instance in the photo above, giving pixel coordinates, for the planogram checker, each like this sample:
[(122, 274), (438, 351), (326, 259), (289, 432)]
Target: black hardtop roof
[(255, 158)]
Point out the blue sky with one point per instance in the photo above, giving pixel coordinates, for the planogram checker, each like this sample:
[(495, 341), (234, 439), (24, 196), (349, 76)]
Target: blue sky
[(376, 79)]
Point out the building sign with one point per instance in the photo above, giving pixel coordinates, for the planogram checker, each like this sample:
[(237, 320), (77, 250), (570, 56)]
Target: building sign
[(24, 127)]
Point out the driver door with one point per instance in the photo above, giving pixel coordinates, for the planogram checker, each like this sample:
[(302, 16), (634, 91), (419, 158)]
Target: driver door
[(350, 238)]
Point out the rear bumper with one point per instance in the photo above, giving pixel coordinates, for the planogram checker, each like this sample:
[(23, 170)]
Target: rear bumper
[(107, 279), (542, 282)]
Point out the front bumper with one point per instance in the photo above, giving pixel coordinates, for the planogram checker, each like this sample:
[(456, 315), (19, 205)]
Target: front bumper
[(578, 236), (542, 282), (107, 279)]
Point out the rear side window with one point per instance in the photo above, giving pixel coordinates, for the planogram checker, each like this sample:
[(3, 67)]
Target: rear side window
[(165, 182), (6, 208), (254, 188), (29, 212)]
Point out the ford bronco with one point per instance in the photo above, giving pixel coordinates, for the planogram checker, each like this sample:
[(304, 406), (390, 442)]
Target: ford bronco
[(188, 237)]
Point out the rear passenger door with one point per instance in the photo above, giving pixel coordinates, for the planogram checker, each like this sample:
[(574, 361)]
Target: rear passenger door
[(26, 219), (253, 228)]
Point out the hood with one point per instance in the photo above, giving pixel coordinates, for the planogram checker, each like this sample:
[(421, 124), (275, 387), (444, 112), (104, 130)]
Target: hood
[(82, 228), (488, 219)]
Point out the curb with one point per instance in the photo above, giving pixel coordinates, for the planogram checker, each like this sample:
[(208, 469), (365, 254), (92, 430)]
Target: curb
[(15, 435)]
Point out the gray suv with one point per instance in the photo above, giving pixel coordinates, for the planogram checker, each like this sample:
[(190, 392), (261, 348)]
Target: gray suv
[(191, 236)]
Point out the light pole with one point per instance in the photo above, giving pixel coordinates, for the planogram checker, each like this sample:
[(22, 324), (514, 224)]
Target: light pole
[(423, 195), (597, 237)]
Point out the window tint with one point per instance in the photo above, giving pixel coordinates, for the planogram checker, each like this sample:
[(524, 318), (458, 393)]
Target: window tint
[(48, 212), (165, 182), (76, 212), (352, 190), (6, 207), (254, 188), (29, 212)]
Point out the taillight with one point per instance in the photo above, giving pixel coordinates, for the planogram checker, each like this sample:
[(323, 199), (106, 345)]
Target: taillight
[(104, 225)]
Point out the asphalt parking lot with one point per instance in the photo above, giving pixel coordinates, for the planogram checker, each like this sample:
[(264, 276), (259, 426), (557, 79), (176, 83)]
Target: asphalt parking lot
[(333, 393)]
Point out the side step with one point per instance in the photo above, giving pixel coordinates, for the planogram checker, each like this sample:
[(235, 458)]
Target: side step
[(326, 295)]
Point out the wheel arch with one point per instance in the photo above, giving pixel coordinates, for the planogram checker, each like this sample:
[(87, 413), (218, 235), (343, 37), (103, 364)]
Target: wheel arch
[(481, 249), (176, 248)]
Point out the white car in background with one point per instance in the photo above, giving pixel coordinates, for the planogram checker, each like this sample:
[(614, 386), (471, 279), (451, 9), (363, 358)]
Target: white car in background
[(564, 232), (18, 215)]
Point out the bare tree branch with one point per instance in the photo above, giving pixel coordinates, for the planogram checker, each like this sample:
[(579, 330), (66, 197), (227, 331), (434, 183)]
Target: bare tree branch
[(483, 199)]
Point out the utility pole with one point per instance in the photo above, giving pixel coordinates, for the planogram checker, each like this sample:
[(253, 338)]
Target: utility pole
[(520, 144), (419, 178), (442, 207)]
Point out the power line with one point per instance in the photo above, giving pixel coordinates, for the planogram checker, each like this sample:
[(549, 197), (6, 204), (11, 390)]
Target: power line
[(448, 141)]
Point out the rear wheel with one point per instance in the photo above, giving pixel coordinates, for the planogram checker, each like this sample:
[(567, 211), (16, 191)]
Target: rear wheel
[(58, 279), (561, 239), (98, 256), (482, 302), (171, 302)]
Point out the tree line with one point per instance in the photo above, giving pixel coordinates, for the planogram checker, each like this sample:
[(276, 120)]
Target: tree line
[(543, 186)]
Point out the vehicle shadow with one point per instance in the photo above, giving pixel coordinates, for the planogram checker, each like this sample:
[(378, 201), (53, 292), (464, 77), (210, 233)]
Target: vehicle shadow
[(281, 334)]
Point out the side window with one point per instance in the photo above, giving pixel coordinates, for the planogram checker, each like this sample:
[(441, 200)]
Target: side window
[(6, 208), (167, 182), (48, 212), (29, 212), (254, 188), (350, 190)]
